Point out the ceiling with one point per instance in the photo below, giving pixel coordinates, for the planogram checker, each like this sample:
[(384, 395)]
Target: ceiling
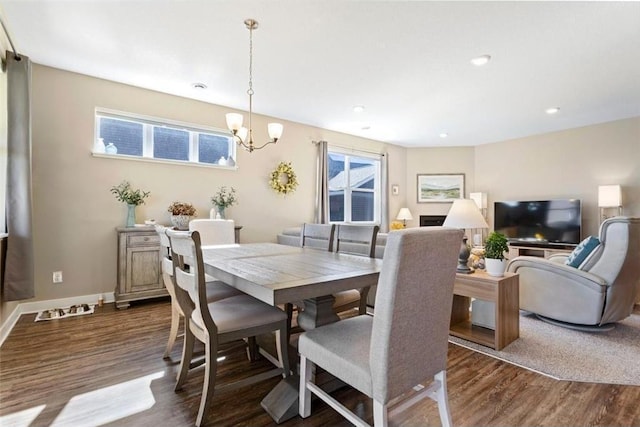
[(406, 62)]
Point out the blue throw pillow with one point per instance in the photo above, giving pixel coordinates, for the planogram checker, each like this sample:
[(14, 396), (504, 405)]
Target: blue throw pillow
[(582, 251)]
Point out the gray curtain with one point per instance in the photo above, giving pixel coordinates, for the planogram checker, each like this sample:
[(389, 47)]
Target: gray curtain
[(19, 272), (322, 186), (384, 193)]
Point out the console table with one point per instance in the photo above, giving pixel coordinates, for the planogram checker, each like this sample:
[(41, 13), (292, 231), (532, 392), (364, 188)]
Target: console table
[(503, 291), (539, 251)]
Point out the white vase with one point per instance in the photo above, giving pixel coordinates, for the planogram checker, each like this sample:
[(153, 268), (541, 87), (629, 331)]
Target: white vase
[(181, 222), (495, 267)]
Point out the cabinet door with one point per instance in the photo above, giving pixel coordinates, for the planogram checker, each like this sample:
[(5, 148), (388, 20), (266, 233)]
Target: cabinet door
[(143, 269)]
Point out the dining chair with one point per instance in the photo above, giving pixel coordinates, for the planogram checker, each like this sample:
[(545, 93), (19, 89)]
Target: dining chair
[(215, 290), (214, 231), (317, 236), (357, 240), (405, 343), (219, 322)]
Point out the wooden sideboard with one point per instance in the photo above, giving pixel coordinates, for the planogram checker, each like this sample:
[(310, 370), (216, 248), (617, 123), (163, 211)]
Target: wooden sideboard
[(140, 264)]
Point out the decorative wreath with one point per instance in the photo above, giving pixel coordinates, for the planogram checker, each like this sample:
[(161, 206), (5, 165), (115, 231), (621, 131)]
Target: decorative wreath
[(283, 179)]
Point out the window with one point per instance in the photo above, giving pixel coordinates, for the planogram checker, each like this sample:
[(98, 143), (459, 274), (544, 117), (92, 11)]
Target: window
[(354, 188), (160, 139)]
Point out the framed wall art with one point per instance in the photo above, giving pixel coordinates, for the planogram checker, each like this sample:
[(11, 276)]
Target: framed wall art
[(440, 188)]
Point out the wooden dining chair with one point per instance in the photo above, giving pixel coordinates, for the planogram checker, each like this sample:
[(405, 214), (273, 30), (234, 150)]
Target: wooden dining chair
[(405, 343), (317, 236), (357, 240), (215, 290), (214, 231), (219, 322)]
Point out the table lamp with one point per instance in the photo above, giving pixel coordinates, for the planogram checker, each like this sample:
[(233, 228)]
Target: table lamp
[(404, 215), (464, 213)]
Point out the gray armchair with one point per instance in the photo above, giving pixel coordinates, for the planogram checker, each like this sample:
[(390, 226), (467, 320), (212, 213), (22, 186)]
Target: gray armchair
[(601, 291)]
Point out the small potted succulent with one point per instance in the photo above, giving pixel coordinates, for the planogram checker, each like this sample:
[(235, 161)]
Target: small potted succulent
[(126, 194), (494, 248), (181, 214)]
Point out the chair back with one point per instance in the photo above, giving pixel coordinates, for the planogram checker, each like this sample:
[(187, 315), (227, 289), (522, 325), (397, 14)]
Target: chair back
[(618, 262), (357, 239), (317, 236), (188, 272), (214, 231), (167, 264), (409, 339)]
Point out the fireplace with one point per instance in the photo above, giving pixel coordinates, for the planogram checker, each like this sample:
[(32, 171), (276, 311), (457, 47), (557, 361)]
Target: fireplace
[(431, 220)]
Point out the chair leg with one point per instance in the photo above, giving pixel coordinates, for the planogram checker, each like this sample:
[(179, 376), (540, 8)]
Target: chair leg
[(282, 348), (187, 354), (380, 414), (173, 333), (362, 306), (304, 399), (443, 399), (252, 349), (209, 383)]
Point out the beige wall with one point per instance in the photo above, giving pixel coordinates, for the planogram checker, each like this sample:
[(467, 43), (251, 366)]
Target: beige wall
[(566, 164), (75, 215)]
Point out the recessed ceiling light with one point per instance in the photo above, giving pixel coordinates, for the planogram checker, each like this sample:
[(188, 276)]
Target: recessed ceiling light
[(552, 110), (443, 134), (365, 127), (479, 61), (358, 108), (199, 86)]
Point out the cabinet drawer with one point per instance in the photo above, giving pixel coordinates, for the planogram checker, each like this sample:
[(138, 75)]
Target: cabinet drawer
[(144, 240)]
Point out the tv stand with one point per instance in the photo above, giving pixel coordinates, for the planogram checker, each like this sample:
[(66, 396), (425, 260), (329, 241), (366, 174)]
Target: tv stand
[(543, 251)]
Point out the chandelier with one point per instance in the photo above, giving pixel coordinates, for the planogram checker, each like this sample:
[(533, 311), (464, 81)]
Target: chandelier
[(242, 135)]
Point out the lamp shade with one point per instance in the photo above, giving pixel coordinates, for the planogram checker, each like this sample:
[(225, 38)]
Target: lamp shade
[(464, 213), (275, 130), (234, 121), (404, 214), (480, 199), (609, 196)]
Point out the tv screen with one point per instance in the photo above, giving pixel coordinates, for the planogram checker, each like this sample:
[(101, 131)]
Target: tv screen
[(539, 222)]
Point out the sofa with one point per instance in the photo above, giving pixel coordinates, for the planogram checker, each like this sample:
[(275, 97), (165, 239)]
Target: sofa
[(291, 237)]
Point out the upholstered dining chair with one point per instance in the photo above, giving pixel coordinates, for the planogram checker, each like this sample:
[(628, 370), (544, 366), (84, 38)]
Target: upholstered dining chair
[(214, 231), (219, 322), (357, 240), (405, 343), (215, 290)]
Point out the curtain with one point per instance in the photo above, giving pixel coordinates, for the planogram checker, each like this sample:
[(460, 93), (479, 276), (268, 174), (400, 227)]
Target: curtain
[(322, 186), (19, 268), (384, 193)]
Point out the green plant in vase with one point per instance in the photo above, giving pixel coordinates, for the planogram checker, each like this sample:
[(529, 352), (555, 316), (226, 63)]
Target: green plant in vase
[(494, 248), (221, 200), (132, 197)]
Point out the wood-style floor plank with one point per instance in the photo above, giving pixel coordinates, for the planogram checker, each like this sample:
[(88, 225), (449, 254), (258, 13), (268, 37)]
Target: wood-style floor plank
[(107, 369)]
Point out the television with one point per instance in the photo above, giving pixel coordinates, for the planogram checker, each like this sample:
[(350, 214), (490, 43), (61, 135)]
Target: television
[(540, 222)]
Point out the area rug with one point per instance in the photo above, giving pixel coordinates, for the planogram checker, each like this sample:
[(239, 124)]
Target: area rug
[(603, 357), (61, 313)]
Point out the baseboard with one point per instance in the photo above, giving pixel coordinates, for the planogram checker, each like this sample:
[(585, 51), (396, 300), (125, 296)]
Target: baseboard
[(36, 306)]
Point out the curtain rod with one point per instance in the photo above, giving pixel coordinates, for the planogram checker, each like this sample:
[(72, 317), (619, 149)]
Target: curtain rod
[(16, 55), (350, 148)]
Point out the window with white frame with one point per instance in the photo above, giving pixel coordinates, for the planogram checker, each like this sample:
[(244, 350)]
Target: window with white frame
[(354, 187), (152, 138)]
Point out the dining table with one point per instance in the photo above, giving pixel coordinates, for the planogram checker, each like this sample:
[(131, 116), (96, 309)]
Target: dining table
[(279, 274)]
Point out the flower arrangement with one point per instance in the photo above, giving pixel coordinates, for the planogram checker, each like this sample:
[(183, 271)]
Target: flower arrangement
[(283, 179), (181, 208), (124, 193), (224, 198)]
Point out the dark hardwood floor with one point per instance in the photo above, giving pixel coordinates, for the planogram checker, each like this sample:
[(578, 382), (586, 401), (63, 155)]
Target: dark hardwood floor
[(107, 369)]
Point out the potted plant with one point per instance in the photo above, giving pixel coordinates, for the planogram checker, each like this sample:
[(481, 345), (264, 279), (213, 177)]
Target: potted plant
[(494, 247), (181, 214), (126, 194), (221, 200)]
